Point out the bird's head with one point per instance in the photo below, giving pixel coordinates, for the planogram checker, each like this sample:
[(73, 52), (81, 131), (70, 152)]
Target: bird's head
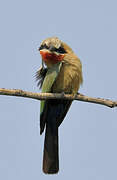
[(53, 50)]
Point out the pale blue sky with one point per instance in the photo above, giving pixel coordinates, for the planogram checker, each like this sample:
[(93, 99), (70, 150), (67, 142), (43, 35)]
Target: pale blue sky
[(88, 136)]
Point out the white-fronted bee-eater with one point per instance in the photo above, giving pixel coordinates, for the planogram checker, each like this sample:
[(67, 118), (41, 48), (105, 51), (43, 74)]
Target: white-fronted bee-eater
[(61, 73)]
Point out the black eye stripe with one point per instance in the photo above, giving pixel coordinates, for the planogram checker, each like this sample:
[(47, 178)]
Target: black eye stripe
[(60, 50), (43, 47)]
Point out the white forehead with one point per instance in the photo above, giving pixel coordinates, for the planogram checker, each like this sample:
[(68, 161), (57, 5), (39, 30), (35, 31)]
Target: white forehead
[(54, 41)]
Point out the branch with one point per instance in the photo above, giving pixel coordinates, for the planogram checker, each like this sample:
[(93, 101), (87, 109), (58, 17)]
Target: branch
[(43, 96)]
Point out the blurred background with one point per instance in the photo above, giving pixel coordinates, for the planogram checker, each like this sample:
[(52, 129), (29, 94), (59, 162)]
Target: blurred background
[(88, 135)]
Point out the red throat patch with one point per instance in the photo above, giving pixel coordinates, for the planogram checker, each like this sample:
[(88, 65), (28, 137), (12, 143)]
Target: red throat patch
[(51, 58)]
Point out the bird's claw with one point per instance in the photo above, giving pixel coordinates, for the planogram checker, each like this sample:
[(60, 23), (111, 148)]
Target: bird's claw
[(62, 94)]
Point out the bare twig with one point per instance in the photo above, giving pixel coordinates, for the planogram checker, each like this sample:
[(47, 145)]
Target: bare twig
[(43, 96)]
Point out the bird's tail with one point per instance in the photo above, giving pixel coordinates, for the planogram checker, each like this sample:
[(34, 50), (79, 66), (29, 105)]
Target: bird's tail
[(50, 156)]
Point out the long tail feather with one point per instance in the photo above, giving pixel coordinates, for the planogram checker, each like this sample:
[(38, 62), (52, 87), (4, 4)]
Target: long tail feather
[(52, 116), (51, 157)]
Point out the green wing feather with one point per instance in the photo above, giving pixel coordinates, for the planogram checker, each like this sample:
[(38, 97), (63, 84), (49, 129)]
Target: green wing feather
[(49, 79)]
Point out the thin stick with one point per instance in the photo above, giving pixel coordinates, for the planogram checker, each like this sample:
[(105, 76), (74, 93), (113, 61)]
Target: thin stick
[(43, 96)]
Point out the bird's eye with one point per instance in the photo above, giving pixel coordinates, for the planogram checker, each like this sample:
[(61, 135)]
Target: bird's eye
[(60, 50), (45, 46)]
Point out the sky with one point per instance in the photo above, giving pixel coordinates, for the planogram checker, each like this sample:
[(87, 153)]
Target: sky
[(88, 135)]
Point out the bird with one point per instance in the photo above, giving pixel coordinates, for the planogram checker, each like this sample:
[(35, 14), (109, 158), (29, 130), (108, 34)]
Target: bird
[(61, 72)]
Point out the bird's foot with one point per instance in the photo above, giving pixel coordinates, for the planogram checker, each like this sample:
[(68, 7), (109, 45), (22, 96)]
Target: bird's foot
[(75, 95), (62, 94)]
